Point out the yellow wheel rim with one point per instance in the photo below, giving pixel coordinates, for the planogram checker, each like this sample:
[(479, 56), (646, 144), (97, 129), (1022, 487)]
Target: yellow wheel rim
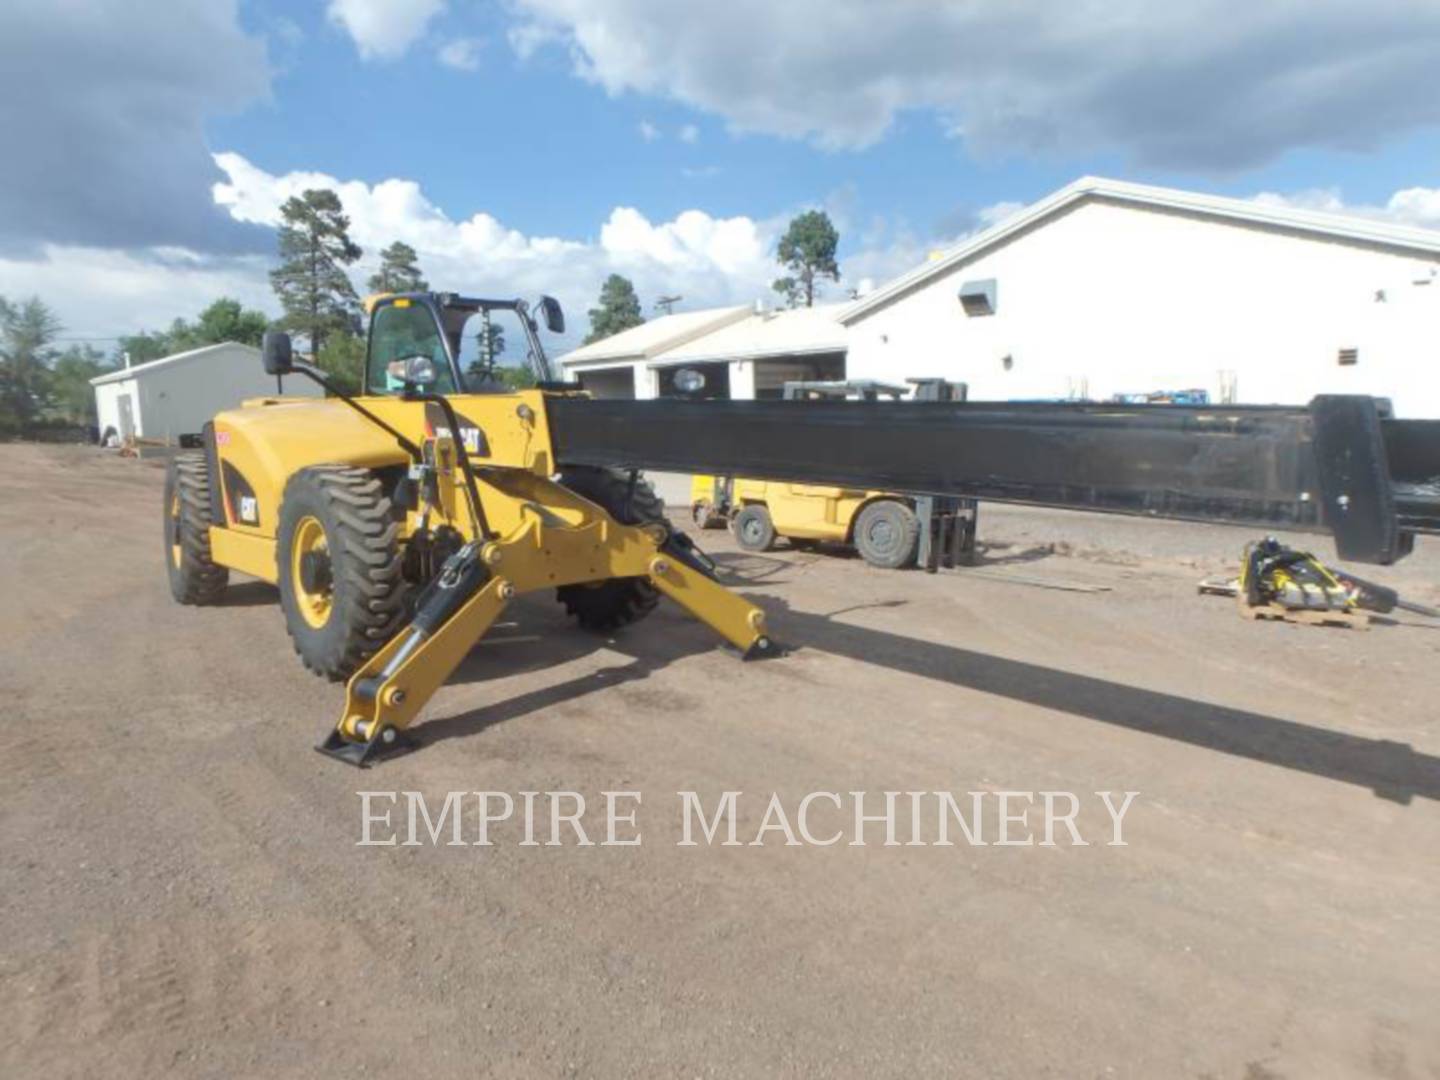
[(176, 555), (314, 605)]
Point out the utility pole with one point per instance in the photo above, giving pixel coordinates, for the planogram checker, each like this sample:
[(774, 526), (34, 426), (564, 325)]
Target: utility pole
[(667, 304)]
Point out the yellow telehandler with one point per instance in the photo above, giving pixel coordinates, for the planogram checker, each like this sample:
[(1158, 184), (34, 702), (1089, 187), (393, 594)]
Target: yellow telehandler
[(398, 525)]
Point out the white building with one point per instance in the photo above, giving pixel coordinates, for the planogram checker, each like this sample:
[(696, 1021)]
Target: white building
[(1107, 288), (1102, 289), (177, 394)]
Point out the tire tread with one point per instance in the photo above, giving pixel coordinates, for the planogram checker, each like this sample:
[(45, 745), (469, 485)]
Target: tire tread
[(199, 579), (604, 607), (365, 556)]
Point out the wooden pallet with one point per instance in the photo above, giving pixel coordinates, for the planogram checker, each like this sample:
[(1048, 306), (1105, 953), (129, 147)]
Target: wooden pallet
[(1353, 620)]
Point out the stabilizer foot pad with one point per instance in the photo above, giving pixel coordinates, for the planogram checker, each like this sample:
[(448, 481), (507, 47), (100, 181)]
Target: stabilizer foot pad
[(769, 651), (764, 649), (364, 754)]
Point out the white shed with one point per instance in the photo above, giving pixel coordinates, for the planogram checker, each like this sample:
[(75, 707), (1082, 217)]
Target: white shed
[(621, 366), (1107, 288), (177, 394)]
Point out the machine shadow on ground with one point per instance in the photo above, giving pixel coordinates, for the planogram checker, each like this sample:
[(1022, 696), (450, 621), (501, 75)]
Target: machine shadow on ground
[(251, 594), (535, 637), (1391, 770)]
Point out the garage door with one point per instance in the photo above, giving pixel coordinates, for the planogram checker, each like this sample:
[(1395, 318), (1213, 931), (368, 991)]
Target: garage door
[(618, 383)]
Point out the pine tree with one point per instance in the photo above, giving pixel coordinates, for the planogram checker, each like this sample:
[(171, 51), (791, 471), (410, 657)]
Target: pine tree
[(489, 344), (311, 283), (398, 271), (619, 309), (807, 250)]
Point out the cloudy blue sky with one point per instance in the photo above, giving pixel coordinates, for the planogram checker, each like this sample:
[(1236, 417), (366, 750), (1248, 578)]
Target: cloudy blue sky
[(523, 145)]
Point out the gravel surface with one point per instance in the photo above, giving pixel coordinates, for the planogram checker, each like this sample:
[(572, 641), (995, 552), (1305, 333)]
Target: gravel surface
[(182, 892)]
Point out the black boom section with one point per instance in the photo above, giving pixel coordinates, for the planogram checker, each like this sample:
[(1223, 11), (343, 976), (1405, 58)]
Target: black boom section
[(1413, 450), (1257, 465)]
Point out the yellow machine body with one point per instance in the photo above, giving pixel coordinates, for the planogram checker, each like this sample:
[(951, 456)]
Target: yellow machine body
[(263, 443)]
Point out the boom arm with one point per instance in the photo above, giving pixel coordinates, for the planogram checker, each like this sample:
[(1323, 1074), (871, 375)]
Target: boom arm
[(1340, 465)]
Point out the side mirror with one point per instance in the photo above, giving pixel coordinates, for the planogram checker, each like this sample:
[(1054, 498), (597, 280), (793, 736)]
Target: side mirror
[(277, 353), (551, 312), (420, 370)]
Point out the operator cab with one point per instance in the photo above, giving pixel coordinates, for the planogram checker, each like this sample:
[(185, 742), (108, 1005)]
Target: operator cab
[(473, 346)]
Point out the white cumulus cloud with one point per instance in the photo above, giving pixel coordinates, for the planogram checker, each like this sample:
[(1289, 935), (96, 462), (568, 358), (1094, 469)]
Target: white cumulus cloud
[(1418, 206), (384, 29), (105, 292), (462, 54), (710, 260)]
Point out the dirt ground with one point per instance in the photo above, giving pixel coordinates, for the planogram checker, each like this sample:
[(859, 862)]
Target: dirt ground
[(182, 892)]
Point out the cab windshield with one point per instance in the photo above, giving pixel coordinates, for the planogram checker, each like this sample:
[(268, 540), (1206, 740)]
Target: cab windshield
[(402, 330), (495, 351)]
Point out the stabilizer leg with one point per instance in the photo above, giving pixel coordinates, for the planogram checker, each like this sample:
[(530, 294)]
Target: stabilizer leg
[(683, 573), (384, 696)]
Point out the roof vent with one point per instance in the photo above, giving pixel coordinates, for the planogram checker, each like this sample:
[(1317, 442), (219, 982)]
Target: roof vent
[(978, 297)]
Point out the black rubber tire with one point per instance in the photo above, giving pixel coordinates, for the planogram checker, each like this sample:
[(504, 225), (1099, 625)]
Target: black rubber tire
[(605, 606), (887, 534), (754, 531), (196, 579), (368, 591)]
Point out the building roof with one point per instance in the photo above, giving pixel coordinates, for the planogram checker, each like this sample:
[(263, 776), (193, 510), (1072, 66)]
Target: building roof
[(656, 336), (772, 333), (165, 361), (1242, 211)]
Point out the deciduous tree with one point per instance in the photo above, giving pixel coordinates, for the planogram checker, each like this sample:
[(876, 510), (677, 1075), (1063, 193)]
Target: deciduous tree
[(342, 357), (71, 396), (229, 320), (224, 320)]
